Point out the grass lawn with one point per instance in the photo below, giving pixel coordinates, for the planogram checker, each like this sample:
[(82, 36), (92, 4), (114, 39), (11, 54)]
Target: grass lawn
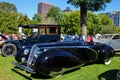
[(89, 72)]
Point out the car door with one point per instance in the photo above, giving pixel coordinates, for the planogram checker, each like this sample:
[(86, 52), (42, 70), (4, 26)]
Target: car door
[(115, 42)]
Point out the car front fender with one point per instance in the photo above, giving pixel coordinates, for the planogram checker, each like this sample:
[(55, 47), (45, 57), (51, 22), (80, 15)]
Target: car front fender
[(55, 60)]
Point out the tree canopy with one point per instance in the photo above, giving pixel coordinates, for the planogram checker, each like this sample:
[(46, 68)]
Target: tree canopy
[(10, 18), (96, 23), (85, 5), (54, 14), (37, 18), (9, 21), (70, 21), (5, 6), (92, 5)]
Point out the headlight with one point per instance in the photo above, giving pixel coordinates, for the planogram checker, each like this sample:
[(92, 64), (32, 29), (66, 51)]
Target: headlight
[(37, 53), (44, 50), (26, 51), (23, 59), (103, 51)]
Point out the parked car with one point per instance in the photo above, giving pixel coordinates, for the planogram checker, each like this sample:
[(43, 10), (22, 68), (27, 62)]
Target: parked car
[(45, 33), (53, 59), (111, 39)]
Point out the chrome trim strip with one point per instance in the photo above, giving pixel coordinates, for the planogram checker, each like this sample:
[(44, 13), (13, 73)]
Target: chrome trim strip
[(26, 68), (55, 47)]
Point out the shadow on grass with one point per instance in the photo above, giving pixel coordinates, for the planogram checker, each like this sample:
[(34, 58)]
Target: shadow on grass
[(117, 55), (35, 76), (27, 78), (69, 71), (40, 76), (108, 75)]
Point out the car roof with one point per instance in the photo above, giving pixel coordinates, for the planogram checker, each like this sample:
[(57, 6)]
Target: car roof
[(36, 25)]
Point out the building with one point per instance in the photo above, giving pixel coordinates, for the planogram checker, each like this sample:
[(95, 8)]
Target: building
[(115, 16), (67, 9), (43, 8)]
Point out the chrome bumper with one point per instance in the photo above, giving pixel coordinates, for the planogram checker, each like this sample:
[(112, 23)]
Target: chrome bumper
[(26, 68)]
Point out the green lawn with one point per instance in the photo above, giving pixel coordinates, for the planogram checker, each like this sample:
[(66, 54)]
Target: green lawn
[(88, 72)]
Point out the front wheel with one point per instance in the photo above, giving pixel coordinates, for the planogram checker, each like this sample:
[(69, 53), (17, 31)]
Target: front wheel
[(9, 49)]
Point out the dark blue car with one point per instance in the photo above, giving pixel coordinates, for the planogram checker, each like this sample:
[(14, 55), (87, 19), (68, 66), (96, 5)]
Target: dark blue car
[(53, 59)]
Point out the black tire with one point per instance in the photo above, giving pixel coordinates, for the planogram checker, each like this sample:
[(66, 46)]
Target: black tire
[(9, 50)]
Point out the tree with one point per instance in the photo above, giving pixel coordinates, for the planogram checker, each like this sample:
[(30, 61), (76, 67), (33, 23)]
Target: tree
[(7, 7), (23, 19), (54, 14), (93, 24), (10, 19), (105, 20), (109, 30), (85, 5), (8, 22), (70, 22), (107, 24), (118, 30), (37, 18)]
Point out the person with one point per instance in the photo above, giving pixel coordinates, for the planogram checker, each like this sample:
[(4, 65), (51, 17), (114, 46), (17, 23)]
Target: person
[(14, 36), (83, 37), (89, 38), (5, 34)]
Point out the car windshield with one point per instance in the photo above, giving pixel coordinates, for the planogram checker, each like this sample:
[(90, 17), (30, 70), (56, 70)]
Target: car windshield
[(107, 36)]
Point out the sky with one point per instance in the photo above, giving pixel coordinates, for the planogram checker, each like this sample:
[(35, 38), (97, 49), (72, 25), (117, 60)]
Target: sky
[(29, 7)]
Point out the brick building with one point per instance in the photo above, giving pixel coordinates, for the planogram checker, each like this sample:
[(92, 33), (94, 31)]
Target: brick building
[(43, 8)]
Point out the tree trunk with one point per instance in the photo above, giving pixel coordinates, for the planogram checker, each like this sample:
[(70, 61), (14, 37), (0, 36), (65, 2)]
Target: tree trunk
[(83, 18)]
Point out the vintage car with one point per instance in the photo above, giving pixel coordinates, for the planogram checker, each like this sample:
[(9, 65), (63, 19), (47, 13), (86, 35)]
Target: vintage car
[(111, 39), (44, 33), (53, 59)]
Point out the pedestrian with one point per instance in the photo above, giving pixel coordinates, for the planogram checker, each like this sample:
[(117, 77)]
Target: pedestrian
[(89, 38)]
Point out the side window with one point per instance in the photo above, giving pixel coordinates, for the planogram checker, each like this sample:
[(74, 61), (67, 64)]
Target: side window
[(42, 31), (116, 37), (52, 30)]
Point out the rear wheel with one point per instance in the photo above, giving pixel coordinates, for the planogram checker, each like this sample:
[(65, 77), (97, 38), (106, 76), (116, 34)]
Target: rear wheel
[(9, 50)]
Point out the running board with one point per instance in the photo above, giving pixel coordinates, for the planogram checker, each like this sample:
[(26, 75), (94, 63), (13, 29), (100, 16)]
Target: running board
[(26, 68)]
